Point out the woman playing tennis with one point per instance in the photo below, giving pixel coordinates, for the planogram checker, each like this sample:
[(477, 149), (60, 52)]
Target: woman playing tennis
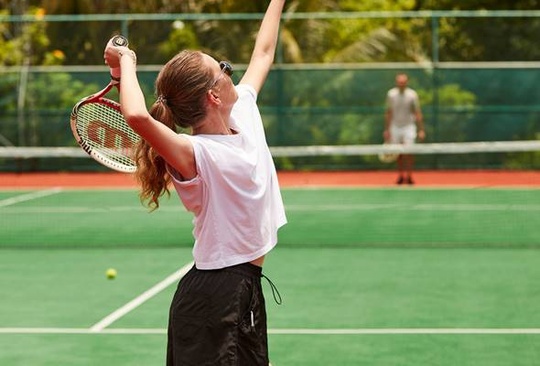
[(224, 174)]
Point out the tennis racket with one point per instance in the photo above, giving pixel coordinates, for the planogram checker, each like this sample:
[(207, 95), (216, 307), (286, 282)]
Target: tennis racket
[(387, 157), (101, 130)]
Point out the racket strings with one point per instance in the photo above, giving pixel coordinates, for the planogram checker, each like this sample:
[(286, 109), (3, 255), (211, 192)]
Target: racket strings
[(103, 128)]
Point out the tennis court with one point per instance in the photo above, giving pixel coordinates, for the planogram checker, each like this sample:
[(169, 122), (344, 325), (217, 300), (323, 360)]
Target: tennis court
[(369, 274)]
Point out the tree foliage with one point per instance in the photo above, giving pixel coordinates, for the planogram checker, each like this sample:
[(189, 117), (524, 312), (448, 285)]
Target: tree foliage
[(306, 40)]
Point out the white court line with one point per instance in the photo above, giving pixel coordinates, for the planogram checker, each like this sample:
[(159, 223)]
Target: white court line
[(29, 196), (309, 208), (120, 312), (389, 331), (417, 207), (295, 331), (86, 209)]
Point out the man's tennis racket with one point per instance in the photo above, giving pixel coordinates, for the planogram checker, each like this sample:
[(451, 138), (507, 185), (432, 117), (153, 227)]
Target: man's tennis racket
[(387, 157), (101, 130)]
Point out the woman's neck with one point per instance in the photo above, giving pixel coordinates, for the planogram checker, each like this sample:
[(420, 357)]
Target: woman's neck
[(215, 124)]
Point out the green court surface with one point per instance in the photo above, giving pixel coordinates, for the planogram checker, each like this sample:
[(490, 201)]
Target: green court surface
[(403, 276)]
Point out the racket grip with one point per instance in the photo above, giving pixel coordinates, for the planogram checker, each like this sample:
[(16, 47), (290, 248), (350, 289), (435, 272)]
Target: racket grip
[(118, 41)]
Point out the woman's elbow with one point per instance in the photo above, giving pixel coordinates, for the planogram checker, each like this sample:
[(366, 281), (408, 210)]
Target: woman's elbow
[(136, 119)]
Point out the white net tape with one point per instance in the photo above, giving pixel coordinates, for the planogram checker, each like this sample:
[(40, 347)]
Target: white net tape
[(317, 150)]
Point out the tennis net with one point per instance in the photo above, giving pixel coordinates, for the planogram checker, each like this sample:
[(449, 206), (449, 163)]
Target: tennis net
[(522, 155)]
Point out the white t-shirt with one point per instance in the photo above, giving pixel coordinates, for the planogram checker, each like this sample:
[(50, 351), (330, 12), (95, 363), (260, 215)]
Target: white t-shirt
[(403, 106), (235, 197)]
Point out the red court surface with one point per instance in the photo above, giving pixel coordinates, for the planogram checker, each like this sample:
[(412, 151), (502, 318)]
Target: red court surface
[(480, 178)]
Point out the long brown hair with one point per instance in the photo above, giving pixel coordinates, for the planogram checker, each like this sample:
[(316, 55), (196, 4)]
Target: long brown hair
[(181, 87)]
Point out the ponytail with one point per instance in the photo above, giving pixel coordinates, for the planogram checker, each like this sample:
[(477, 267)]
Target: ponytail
[(151, 170), (181, 88)]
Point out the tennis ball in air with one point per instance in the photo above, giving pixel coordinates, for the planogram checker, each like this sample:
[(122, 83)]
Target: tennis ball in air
[(111, 273)]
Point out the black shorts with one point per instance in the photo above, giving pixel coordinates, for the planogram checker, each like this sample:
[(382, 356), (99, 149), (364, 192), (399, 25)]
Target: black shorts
[(218, 317)]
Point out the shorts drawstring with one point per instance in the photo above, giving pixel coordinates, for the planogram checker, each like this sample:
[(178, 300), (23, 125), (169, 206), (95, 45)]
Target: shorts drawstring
[(275, 291)]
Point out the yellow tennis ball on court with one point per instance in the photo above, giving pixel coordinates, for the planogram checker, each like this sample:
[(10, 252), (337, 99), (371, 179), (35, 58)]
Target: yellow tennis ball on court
[(111, 273)]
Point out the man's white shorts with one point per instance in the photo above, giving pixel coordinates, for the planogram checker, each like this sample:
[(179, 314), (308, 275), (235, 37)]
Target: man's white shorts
[(403, 134)]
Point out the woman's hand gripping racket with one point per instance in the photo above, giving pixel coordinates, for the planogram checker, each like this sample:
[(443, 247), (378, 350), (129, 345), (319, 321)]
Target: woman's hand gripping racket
[(101, 130)]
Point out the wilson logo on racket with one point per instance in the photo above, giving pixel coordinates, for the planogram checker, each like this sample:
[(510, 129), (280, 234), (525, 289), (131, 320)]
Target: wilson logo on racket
[(104, 135)]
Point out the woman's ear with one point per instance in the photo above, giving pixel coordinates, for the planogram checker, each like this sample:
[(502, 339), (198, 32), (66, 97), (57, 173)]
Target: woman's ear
[(213, 97)]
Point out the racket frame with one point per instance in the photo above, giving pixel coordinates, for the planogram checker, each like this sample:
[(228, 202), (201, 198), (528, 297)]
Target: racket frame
[(89, 149)]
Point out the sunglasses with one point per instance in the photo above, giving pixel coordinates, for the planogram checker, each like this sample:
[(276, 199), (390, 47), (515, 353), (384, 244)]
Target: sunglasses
[(226, 68)]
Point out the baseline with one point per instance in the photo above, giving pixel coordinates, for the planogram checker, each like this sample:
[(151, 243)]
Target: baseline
[(294, 331)]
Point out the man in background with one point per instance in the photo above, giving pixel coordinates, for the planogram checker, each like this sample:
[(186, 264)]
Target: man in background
[(403, 124)]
